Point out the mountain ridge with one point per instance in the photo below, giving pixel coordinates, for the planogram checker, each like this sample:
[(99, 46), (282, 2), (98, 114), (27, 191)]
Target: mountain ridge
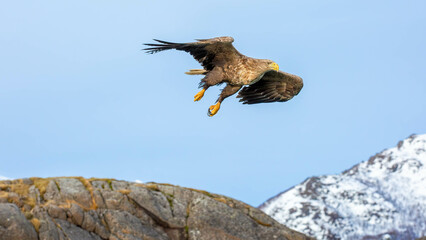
[(381, 198)]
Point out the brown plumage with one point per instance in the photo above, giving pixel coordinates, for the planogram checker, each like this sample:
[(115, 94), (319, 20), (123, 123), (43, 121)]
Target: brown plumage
[(222, 63)]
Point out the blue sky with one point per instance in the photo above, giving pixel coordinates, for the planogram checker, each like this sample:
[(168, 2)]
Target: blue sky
[(78, 97)]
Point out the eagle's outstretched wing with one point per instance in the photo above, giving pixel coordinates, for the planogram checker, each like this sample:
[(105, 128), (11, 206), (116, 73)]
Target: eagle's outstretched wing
[(272, 87), (208, 52)]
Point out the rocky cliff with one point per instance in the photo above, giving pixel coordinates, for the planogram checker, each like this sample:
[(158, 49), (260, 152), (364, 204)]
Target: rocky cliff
[(77, 208)]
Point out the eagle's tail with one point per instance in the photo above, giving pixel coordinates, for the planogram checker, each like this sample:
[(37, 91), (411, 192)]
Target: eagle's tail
[(197, 72), (161, 46)]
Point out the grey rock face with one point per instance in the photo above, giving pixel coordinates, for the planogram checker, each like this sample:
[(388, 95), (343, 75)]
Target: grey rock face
[(95, 209), (13, 224)]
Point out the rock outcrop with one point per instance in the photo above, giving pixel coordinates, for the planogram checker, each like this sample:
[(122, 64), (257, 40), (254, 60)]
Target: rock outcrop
[(77, 208)]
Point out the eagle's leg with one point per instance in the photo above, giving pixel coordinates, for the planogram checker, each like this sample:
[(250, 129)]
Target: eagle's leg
[(226, 92), (212, 78)]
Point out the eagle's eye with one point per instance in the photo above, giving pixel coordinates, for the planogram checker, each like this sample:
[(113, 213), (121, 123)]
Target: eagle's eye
[(274, 66)]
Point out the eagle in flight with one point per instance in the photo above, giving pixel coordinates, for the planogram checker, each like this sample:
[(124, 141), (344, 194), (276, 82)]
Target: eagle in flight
[(222, 63)]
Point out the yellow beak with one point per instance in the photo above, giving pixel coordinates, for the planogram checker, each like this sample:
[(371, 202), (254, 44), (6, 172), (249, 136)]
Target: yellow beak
[(275, 67)]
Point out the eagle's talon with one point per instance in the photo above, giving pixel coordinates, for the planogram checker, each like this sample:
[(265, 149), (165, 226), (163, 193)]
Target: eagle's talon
[(213, 109), (199, 95)]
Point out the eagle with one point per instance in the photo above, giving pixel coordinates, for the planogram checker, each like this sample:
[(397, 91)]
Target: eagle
[(260, 79)]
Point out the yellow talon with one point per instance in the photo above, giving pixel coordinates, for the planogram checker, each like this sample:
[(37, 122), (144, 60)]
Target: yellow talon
[(213, 109), (199, 95)]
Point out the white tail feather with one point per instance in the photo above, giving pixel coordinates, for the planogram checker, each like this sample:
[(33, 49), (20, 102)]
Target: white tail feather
[(196, 72)]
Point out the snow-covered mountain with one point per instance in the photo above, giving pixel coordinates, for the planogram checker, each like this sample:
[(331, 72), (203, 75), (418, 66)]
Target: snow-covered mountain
[(382, 198)]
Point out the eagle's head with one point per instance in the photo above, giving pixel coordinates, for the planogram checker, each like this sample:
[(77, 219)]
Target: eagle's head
[(265, 65)]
